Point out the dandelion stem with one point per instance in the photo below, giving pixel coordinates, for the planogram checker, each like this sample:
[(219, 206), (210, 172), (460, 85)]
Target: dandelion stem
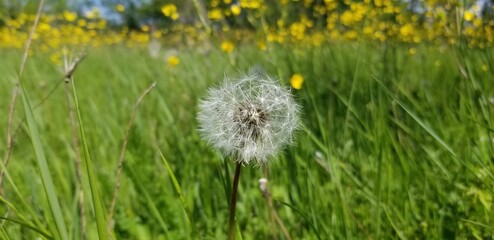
[(233, 203)]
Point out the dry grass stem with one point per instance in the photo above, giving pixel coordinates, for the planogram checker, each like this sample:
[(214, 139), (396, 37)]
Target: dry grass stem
[(69, 69), (274, 215), (122, 157), (10, 139), (29, 41), (15, 93)]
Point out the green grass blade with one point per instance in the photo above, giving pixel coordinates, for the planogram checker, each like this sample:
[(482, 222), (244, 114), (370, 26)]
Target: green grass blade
[(19, 195), (418, 120), (151, 205), (178, 189), (314, 138), (29, 226), (4, 234), (98, 208), (48, 186), (301, 213), (40, 229)]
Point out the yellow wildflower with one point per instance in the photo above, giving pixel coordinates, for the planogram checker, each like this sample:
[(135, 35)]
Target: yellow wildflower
[(296, 81), (227, 46), (172, 61), (69, 16), (120, 7), (297, 30), (412, 51), (407, 30), (468, 16), (215, 14), (81, 23), (253, 4), (170, 10), (236, 10), (44, 27), (351, 35), (346, 18)]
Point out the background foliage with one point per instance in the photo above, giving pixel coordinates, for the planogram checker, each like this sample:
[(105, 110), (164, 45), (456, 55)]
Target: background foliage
[(397, 106)]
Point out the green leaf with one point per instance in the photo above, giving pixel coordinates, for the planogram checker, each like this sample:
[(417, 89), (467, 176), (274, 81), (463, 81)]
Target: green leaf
[(427, 128), (178, 189), (486, 199), (29, 226), (42, 164)]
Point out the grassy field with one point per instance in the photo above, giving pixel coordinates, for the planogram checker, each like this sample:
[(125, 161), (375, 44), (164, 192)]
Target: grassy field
[(396, 143)]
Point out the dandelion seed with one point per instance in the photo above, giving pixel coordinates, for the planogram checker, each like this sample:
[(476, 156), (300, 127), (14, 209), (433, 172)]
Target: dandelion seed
[(250, 119)]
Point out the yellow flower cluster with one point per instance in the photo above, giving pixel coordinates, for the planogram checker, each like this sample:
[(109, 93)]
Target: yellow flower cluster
[(282, 21), (67, 28), (170, 10)]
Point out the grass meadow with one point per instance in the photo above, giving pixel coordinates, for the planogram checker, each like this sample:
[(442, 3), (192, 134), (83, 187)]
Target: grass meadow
[(396, 143)]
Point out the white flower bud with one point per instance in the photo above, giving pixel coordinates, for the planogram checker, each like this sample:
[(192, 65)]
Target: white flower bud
[(263, 185)]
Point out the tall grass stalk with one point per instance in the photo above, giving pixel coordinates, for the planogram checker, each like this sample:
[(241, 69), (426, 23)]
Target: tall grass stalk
[(69, 68), (122, 156), (49, 189), (93, 182)]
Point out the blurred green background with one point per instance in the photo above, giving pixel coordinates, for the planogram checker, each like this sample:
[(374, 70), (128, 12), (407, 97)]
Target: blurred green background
[(397, 102)]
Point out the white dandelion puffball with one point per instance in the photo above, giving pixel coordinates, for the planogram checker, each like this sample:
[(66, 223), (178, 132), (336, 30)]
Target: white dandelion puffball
[(251, 118)]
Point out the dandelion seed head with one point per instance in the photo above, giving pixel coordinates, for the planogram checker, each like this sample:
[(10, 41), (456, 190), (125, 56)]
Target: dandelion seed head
[(251, 118)]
